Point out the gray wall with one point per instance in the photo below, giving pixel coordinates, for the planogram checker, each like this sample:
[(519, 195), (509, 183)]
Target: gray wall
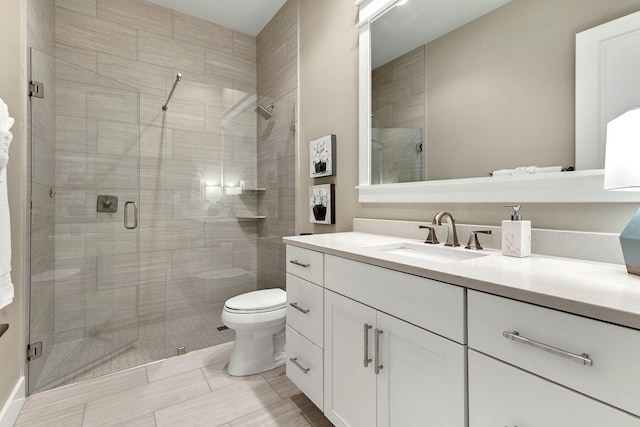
[(12, 84), (329, 103), (277, 82), (513, 90)]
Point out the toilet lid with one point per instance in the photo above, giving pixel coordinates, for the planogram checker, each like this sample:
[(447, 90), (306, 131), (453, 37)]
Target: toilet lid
[(265, 299)]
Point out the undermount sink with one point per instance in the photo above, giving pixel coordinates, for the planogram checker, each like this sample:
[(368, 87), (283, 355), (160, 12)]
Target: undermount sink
[(428, 253)]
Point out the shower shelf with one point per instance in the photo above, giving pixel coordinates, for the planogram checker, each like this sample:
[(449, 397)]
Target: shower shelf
[(250, 217), (252, 190)]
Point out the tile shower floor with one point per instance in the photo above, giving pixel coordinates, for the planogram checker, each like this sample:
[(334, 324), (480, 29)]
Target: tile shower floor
[(155, 341), (189, 390)]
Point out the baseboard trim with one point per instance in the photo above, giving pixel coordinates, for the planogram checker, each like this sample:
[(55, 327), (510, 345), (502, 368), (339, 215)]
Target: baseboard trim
[(11, 410)]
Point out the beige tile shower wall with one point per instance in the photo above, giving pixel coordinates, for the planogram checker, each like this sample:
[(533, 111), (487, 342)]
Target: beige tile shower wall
[(277, 145), (398, 91), (181, 252)]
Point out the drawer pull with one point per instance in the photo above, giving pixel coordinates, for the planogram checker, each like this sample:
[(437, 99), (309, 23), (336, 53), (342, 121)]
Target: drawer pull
[(366, 345), (297, 307), (378, 367), (579, 358), (296, 262), (294, 360)]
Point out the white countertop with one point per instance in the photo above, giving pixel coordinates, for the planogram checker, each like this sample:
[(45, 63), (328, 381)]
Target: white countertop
[(593, 289)]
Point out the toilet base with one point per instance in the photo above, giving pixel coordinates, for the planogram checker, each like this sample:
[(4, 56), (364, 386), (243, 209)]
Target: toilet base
[(254, 354)]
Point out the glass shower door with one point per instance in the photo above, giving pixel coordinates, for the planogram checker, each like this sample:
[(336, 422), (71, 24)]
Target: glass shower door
[(85, 262)]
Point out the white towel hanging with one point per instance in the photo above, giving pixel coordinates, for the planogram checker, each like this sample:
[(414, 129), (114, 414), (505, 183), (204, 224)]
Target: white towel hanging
[(6, 287)]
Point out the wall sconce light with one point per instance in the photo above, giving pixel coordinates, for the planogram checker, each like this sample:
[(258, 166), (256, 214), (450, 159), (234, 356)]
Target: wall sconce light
[(622, 173)]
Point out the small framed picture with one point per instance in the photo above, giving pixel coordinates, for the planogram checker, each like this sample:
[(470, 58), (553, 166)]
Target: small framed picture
[(321, 207), (322, 157)]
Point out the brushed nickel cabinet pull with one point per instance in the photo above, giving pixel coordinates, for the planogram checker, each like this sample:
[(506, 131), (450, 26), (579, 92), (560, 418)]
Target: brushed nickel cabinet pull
[(579, 358), (297, 307), (378, 367), (296, 262), (294, 360), (367, 360)]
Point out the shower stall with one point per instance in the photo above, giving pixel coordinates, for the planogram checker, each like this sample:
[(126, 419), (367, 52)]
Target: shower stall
[(148, 212)]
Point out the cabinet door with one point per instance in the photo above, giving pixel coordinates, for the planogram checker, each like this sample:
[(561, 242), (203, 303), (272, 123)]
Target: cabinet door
[(501, 395), (422, 380), (349, 386)]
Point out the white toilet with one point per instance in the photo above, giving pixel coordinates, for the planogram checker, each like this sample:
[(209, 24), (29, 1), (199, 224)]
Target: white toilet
[(259, 319)]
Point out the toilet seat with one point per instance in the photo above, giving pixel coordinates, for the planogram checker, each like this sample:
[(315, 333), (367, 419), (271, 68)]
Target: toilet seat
[(262, 301)]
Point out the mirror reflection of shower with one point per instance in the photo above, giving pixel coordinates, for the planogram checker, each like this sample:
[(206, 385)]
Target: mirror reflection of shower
[(266, 112), (166, 104)]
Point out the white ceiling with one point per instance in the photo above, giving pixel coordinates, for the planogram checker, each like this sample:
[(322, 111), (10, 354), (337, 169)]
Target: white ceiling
[(245, 16)]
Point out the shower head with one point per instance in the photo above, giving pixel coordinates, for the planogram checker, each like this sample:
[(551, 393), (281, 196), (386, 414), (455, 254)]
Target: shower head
[(266, 112)]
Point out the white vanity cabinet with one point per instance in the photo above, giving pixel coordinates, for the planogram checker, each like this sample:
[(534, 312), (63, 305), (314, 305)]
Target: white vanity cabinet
[(383, 371), (544, 363), (502, 395), (305, 322), (372, 346)]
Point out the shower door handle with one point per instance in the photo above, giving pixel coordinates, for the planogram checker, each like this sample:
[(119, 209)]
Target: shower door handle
[(126, 215)]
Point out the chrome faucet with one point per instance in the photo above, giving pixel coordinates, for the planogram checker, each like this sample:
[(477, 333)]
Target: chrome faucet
[(452, 234)]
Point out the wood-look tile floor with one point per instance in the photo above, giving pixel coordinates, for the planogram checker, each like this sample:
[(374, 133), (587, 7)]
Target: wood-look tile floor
[(189, 390)]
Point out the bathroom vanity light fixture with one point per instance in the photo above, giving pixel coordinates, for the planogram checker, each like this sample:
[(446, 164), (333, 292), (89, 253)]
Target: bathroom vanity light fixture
[(622, 173)]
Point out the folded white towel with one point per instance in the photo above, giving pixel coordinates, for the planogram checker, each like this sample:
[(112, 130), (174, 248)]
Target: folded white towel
[(6, 287), (548, 169), (5, 140), (526, 170), (5, 121)]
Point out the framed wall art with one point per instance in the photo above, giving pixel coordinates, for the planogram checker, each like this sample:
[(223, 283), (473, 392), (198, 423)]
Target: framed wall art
[(321, 207), (322, 157)]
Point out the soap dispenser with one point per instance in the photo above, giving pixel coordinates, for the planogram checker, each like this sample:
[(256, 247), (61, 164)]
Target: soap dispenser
[(516, 235)]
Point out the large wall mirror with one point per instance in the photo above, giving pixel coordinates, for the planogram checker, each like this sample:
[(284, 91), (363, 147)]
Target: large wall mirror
[(475, 100)]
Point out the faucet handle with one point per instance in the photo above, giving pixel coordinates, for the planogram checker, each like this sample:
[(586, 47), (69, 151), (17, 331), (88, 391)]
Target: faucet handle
[(432, 239), (473, 242)]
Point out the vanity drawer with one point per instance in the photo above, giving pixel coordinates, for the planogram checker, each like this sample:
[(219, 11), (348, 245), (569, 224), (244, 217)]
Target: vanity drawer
[(305, 264), (614, 350), (305, 310), (501, 395), (428, 304), (305, 366)]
